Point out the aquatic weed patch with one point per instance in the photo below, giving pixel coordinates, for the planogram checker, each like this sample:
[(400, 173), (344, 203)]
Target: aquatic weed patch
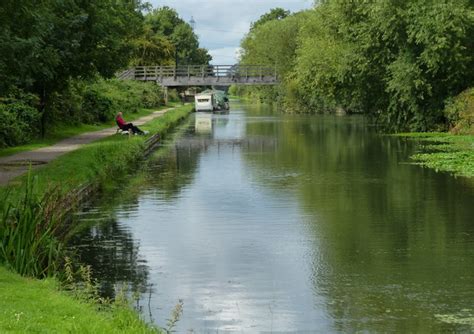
[(458, 162), (445, 152), (464, 317)]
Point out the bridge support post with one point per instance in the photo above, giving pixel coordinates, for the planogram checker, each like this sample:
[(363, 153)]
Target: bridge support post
[(165, 94)]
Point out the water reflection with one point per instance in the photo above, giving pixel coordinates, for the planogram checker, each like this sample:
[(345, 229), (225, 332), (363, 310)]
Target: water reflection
[(263, 222), (394, 241), (203, 123), (110, 249)]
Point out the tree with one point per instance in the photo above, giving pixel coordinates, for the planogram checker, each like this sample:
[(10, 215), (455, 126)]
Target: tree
[(273, 43), (165, 24), (274, 14), (152, 49), (47, 43)]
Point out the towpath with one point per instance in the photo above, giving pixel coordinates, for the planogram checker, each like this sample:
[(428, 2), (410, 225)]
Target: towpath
[(18, 164)]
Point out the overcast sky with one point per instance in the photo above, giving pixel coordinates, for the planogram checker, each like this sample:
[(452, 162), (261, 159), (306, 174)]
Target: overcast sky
[(221, 24)]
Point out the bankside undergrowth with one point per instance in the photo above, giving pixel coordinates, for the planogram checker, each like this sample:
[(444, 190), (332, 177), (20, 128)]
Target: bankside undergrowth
[(29, 230)]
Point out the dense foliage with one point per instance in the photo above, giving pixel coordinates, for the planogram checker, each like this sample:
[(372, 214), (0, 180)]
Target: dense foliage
[(168, 40), (20, 119), (396, 61), (274, 14), (46, 43), (100, 100), (460, 112), (56, 57)]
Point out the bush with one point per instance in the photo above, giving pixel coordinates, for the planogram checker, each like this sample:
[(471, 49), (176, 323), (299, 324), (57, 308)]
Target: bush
[(67, 106), (80, 102), (97, 107), (105, 98), (20, 122), (101, 100), (173, 95), (460, 112)]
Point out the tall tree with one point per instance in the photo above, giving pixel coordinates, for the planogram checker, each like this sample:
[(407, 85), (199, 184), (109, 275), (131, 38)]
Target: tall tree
[(47, 43), (274, 14), (398, 61), (165, 24)]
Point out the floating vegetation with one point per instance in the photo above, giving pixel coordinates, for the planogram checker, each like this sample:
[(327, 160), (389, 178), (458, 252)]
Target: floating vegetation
[(445, 152), (464, 317)]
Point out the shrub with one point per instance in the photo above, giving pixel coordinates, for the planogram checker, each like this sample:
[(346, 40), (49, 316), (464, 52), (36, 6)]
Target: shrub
[(20, 123), (104, 98), (67, 106), (460, 112), (96, 106), (80, 102), (173, 95), (100, 100)]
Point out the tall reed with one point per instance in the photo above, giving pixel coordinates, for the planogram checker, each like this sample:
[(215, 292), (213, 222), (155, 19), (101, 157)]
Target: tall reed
[(28, 229)]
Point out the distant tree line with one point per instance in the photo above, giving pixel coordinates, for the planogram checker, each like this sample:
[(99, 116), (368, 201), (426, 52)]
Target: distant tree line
[(397, 61), (55, 54)]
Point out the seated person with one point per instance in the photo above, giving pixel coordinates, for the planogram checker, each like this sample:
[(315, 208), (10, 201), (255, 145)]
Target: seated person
[(124, 126)]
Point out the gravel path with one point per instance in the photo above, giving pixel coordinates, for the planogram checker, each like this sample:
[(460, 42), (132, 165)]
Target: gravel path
[(18, 164)]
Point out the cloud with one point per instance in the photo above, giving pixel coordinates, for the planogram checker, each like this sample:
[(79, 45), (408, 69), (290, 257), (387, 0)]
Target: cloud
[(223, 56), (221, 24)]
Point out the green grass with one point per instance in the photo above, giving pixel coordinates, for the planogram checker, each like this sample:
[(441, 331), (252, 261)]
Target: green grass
[(445, 152), (28, 242), (108, 158), (33, 306), (64, 131)]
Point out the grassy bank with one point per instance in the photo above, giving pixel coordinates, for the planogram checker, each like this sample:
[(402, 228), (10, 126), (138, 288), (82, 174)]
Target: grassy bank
[(36, 306), (33, 306), (64, 131), (99, 161), (445, 152)]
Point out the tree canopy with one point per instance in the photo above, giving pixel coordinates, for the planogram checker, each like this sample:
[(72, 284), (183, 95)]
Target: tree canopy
[(274, 14), (396, 61), (46, 43), (167, 39), (51, 49)]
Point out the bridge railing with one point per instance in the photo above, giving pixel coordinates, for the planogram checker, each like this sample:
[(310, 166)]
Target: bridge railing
[(234, 71)]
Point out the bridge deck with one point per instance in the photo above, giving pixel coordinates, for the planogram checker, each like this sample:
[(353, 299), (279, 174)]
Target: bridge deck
[(203, 75)]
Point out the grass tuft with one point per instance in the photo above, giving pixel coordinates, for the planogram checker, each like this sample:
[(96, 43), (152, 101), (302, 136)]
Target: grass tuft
[(29, 226)]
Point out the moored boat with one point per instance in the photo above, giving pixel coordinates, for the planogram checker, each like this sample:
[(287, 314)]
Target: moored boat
[(212, 100)]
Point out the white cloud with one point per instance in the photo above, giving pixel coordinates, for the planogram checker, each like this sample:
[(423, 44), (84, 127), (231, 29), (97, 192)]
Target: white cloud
[(221, 24), (223, 56)]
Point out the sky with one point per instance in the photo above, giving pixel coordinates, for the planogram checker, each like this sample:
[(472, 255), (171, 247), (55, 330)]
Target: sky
[(221, 24)]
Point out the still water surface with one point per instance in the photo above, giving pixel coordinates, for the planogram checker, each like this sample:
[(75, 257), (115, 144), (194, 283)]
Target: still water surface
[(262, 222)]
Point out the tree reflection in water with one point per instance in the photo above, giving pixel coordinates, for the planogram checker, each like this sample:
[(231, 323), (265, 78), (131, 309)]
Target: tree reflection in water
[(389, 237), (108, 246), (114, 257)]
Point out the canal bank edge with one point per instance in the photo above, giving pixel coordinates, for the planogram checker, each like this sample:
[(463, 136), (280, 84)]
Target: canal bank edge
[(77, 175), (159, 127), (30, 305)]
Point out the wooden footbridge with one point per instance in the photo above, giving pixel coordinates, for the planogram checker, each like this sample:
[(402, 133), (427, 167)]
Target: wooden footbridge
[(203, 75)]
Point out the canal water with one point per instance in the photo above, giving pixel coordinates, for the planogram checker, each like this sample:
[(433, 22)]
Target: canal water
[(259, 222)]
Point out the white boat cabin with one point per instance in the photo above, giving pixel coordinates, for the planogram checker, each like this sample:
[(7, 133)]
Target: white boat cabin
[(205, 102)]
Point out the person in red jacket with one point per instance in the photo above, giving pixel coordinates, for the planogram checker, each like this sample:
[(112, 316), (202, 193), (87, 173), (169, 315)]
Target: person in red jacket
[(124, 126)]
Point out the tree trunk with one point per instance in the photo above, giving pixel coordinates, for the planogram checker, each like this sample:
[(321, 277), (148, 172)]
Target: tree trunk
[(43, 101)]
